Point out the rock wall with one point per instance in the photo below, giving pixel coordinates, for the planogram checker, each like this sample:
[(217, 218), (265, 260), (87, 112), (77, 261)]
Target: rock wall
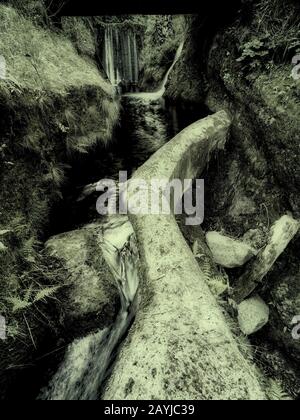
[(262, 158), (161, 39), (241, 61)]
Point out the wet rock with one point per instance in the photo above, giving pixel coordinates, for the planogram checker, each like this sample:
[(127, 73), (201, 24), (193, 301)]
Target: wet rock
[(229, 252), (91, 299), (3, 248), (253, 315)]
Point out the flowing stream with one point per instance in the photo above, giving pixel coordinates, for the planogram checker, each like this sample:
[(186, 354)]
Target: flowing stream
[(87, 360), (148, 126)]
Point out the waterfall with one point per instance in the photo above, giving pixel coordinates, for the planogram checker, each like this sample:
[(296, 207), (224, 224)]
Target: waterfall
[(166, 78), (159, 93), (120, 55), (87, 360), (135, 58), (109, 56)]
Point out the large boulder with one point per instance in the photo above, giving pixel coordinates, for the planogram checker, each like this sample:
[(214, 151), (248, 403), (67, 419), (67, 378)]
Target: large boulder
[(253, 315), (228, 252), (90, 298)]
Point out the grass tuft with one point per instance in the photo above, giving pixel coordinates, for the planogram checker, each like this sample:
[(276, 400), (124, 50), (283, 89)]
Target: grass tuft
[(42, 59)]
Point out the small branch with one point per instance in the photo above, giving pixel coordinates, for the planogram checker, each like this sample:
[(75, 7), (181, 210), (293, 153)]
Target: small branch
[(58, 10), (267, 212), (29, 329), (282, 232)]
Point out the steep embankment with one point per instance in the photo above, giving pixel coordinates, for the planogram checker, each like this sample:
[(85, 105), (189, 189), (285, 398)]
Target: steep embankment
[(246, 67), (54, 106), (242, 62), (161, 39), (249, 72)]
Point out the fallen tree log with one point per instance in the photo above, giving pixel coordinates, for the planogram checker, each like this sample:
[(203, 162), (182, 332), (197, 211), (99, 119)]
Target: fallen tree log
[(282, 232), (180, 346)]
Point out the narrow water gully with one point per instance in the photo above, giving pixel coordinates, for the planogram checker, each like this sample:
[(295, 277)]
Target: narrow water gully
[(87, 360), (148, 121), (145, 126)]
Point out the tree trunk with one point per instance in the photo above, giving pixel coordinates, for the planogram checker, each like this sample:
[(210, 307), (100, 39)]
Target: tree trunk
[(180, 346)]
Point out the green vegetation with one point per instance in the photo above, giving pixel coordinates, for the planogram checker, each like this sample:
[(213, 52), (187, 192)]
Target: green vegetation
[(43, 60), (81, 32), (29, 277), (273, 37), (54, 105), (162, 38)]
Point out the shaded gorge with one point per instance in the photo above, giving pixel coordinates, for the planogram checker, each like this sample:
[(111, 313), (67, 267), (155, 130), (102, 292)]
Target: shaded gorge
[(148, 121)]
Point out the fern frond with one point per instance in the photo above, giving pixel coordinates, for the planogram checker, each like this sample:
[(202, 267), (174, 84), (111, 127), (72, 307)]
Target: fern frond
[(276, 392), (18, 304), (45, 293), (28, 293), (28, 249), (56, 174), (216, 281)]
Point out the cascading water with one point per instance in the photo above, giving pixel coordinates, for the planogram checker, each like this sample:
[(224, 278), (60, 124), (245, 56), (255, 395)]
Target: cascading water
[(120, 56), (87, 360), (166, 78), (159, 93)]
